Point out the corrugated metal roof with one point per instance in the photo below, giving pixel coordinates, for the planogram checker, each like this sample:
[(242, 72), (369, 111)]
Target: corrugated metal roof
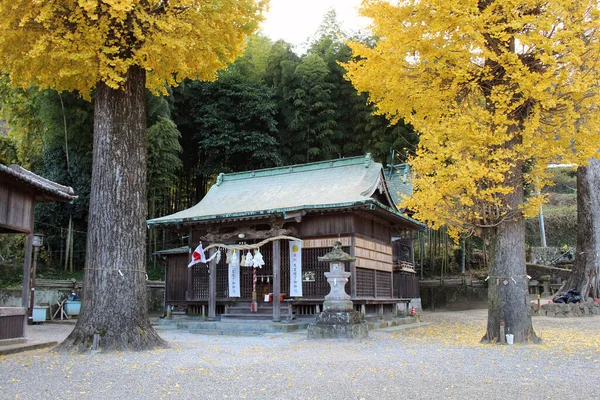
[(322, 185), (49, 190)]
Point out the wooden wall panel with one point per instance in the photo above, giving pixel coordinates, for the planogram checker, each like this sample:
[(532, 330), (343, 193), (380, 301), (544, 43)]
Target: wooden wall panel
[(11, 326), (177, 277), (326, 242), (3, 203), (373, 255), (15, 209), (326, 225), (372, 227)]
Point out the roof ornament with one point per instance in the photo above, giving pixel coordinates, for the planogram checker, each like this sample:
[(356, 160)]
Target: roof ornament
[(368, 160), (220, 179)]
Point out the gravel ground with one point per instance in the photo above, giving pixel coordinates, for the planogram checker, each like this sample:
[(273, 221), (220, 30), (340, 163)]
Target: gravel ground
[(440, 360)]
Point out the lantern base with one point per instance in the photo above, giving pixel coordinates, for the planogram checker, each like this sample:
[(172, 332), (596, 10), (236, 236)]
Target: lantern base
[(338, 324)]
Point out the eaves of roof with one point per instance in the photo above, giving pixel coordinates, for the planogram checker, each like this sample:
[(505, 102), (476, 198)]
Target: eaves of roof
[(45, 189)]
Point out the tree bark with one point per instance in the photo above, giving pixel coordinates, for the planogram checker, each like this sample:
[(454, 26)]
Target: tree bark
[(586, 270), (508, 283), (115, 300)]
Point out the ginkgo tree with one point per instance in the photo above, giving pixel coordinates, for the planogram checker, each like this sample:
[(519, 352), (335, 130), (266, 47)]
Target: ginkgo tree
[(497, 89), (117, 49)]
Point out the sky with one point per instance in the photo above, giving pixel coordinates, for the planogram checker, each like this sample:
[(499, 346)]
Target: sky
[(296, 21)]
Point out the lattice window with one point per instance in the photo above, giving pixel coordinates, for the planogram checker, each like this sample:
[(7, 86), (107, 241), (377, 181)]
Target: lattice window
[(365, 282), (384, 284), (199, 281), (222, 278)]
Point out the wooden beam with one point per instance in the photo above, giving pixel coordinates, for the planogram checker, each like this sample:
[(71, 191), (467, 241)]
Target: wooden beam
[(249, 234), (212, 287), (276, 280)]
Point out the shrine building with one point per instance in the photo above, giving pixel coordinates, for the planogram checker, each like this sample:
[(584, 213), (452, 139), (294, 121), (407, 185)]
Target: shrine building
[(314, 204)]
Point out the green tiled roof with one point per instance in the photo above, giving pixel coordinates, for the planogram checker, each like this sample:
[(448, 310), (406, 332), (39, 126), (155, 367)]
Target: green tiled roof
[(399, 181), (333, 184)]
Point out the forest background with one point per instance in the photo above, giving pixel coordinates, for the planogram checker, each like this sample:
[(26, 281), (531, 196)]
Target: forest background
[(271, 107)]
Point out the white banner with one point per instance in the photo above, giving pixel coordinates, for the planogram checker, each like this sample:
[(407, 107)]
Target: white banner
[(234, 280), (295, 269)]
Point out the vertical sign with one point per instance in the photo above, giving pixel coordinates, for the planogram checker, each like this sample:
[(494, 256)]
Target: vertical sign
[(234, 280), (295, 269)]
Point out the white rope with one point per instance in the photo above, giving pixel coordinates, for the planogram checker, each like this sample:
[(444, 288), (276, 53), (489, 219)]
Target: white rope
[(251, 246)]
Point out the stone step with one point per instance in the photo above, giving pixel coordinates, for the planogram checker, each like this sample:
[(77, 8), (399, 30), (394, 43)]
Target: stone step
[(219, 332), (247, 316), (231, 326)]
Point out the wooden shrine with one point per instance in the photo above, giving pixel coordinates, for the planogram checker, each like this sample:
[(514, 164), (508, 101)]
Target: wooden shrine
[(20, 190), (319, 203)]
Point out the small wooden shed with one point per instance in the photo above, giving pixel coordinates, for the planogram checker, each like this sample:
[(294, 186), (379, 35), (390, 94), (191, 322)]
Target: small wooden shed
[(344, 199), (20, 190)]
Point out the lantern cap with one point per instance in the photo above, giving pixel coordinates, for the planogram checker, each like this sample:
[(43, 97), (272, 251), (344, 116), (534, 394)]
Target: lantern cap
[(337, 254)]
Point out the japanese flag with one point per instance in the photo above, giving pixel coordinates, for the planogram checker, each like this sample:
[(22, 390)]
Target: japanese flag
[(198, 256)]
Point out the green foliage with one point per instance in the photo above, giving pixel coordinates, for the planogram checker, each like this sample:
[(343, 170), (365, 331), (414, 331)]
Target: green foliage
[(232, 122), (253, 64), (11, 260), (314, 112), (563, 181)]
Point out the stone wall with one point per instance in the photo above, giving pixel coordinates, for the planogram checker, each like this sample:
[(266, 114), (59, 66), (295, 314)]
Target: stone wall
[(454, 297), (557, 275), (551, 255), (566, 310), (51, 295)]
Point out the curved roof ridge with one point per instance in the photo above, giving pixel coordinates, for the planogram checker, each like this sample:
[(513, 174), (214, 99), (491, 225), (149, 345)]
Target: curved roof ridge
[(289, 169)]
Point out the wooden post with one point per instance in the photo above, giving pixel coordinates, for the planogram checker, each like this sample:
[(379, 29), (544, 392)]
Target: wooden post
[(353, 268), (212, 287), (26, 278), (190, 288), (276, 280)]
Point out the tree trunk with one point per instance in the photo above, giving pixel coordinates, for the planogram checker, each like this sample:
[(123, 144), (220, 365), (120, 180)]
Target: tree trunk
[(584, 277), (508, 283), (115, 300)]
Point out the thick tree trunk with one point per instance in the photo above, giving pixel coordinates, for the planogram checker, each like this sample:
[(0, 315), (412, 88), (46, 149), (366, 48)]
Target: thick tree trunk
[(586, 270), (115, 300), (508, 283)]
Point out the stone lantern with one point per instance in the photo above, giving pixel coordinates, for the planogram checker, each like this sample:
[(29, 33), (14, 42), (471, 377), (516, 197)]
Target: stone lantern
[(338, 319)]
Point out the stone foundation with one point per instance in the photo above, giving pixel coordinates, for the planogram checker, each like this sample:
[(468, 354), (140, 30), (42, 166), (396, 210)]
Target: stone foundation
[(338, 324), (566, 310)]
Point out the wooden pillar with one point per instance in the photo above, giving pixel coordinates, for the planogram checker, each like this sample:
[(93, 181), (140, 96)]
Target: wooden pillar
[(190, 288), (212, 287), (26, 279), (276, 280), (353, 268)]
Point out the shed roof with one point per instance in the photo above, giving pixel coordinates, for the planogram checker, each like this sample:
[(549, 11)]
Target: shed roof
[(45, 190), (333, 184)]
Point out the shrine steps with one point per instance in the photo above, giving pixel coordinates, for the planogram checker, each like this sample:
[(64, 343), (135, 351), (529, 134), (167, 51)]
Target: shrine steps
[(241, 311)]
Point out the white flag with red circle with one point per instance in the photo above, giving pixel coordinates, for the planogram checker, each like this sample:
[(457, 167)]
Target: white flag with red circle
[(198, 256)]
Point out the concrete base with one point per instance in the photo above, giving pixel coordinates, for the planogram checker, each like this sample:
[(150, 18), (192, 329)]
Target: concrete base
[(338, 324), (27, 346)]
